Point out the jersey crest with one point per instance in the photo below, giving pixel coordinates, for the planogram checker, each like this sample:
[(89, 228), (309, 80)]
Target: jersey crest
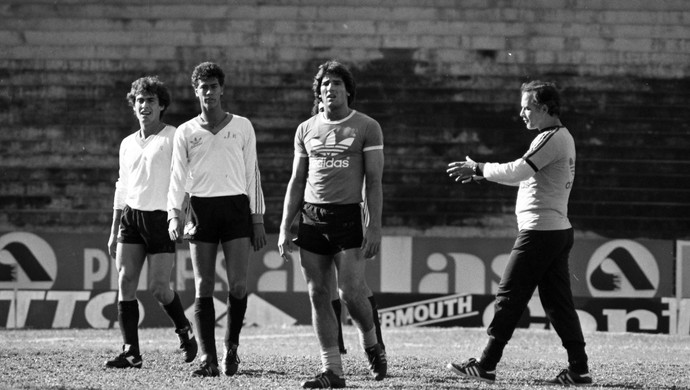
[(195, 142), (330, 146)]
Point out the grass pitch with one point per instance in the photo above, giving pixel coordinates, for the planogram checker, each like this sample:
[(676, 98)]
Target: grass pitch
[(280, 358)]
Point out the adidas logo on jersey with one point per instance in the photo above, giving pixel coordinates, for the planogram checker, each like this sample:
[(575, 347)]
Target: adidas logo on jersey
[(330, 147), (197, 141), (332, 163)]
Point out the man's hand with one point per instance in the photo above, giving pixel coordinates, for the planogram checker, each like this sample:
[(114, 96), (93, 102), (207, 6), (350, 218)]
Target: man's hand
[(285, 245), (371, 244), (258, 236), (174, 227), (112, 245), (464, 171)]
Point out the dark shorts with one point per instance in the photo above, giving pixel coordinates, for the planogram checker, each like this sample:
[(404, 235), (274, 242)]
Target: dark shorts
[(327, 229), (218, 219), (148, 228)]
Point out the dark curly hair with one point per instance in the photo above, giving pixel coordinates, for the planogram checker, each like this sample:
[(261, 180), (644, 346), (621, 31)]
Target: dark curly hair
[(150, 85), (336, 68), (544, 93), (208, 70)]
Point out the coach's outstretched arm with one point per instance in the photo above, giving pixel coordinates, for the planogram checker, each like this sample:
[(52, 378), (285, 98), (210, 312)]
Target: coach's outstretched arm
[(511, 173)]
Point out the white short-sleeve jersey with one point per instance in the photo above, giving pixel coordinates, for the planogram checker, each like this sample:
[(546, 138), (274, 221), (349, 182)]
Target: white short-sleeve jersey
[(335, 150)]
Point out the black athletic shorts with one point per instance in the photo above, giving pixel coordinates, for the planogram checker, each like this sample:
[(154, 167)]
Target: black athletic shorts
[(218, 219), (148, 228), (327, 229)]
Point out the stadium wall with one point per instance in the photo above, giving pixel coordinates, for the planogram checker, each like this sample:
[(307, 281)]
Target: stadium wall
[(441, 76)]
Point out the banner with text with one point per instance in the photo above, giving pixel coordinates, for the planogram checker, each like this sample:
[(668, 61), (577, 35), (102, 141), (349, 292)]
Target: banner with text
[(600, 268), (46, 309)]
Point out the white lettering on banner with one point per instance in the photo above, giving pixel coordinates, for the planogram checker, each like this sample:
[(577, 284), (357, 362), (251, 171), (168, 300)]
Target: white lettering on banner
[(20, 301), (682, 269), (299, 284), (184, 270), (114, 275), (8, 295), (428, 312), (143, 277), (281, 273), (66, 301), (587, 321), (94, 310), (469, 274), (275, 279), (617, 319), (683, 317), (96, 266), (396, 264), (672, 313), (435, 282), (26, 262), (536, 310), (221, 273)]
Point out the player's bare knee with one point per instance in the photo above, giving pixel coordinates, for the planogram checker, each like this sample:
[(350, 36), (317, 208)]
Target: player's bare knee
[(351, 293), (127, 281), (159, 290), (351, 289), (204, 288), (238, 290), (317, 292)]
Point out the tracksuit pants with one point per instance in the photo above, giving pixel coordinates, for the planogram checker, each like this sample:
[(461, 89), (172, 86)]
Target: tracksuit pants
[(539, 259)]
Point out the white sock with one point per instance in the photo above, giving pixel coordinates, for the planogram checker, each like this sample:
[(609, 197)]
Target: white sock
[(368, 339), (330, 360)]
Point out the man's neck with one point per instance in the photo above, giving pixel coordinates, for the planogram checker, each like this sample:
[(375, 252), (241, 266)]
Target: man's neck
[(337, 114), (213, 116), (552, 122), (151, 128)]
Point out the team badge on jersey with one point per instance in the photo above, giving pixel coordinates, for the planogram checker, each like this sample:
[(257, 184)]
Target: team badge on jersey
[(195, 142), (330, 146)]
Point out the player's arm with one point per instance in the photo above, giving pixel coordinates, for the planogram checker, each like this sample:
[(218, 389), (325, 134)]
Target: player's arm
[(114, 228), (294, 197), (178, 185), (373, 176), (118, 202), (508, 173), (255, 193), (511, 173)]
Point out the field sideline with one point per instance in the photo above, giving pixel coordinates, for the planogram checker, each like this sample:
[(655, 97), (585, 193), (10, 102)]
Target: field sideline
[(280, 358)]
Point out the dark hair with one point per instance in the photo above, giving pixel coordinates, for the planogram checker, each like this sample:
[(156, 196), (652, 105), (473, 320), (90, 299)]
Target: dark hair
[(151, 85), (208, 70), (336, 68), (544, 93)]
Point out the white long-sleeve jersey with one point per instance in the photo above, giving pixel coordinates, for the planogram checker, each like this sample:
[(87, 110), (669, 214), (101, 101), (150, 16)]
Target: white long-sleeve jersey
[(144, 173), (221, 164)]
